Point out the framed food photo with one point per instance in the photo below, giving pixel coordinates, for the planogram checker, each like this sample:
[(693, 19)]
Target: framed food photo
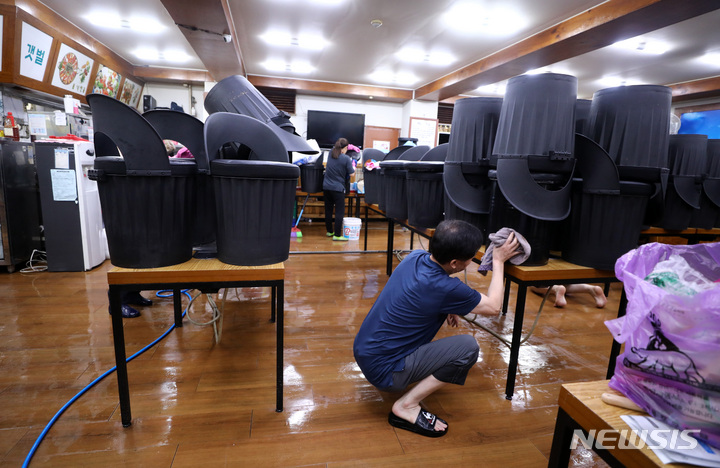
[(72, 70), (130, 94), (106, 81)]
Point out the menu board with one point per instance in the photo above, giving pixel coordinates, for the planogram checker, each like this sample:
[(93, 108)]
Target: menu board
[(425, 130), (72, 70), (35, 48), (106, 81), (130, 94)]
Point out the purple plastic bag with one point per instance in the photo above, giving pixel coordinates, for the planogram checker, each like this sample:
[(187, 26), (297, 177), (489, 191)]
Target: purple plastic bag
[(670, 365)]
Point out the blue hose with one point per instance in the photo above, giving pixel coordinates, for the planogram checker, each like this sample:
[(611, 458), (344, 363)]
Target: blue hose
[(108, 372)]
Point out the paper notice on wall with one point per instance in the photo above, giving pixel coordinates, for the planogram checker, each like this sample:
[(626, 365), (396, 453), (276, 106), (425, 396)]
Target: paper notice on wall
[(37, 124), (62, 158), (63, 184), (381, 145), (60, 119)]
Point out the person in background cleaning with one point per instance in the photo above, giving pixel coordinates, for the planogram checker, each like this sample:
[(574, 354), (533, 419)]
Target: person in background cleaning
[(337, 171), (394, 346)]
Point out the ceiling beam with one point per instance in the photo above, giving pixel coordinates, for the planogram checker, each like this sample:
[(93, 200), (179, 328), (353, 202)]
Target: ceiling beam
[(204, 24), (324, 88), (172, 75), (699, 89), (593, 29)]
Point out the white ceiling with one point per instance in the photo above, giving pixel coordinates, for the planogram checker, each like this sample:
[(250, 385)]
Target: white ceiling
[(356, 49)]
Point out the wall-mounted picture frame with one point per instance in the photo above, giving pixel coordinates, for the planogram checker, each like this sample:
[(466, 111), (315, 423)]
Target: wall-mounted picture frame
[(106, 81), (72, 70)]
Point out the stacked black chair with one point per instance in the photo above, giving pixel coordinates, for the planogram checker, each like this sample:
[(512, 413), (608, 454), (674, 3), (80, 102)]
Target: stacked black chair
[(465, 174), (395, 181), (254, 197), (534, 155), (147, 199), (235, 94), (188, 130), (687, 161), (372, 176), (632, 123), (312, 176), (393, 155), (425, 188), (708, 216)]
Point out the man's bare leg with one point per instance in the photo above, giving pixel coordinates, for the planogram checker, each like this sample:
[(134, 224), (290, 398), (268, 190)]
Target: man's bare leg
[(408, 405)]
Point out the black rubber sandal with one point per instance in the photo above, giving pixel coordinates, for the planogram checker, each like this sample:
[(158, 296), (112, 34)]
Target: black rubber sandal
[(424, 424)]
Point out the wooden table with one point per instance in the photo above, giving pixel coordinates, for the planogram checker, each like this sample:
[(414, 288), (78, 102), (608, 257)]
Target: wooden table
[(207, 275), (580, 407), (557, 271)]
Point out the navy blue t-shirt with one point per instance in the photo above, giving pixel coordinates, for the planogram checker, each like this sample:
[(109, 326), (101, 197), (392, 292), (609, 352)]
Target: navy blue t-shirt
[(336, 172), (407, 314)]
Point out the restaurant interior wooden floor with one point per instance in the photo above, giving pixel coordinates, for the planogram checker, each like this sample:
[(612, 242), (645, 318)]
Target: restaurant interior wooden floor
[(196, 403)]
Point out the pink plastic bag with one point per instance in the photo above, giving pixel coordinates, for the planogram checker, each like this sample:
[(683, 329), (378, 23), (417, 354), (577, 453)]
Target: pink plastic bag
[(670, 365)]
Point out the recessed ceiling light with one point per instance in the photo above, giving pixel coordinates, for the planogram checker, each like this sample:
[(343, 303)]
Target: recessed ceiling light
[(478, 19), (294, 67), (420, 56), (495, 89), (644, 45), (712, 58), (389, 77), (176, 56), (302, 40), (615, 81), (146, 54), (114, 21)]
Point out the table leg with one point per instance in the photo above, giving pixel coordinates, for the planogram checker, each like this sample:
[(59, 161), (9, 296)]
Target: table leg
[(120, 357), (366, 226), (273, 302), (560, 451), (279, 324), (517, 336), (506, 296), (390, 242), (177, 307), (615, 349)]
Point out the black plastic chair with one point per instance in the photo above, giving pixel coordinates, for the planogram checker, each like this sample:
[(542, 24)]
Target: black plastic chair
[(146, 198), (188, 130), (254, 198)]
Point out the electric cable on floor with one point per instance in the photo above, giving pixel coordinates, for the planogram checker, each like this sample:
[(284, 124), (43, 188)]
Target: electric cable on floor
[(506, 342), (94, 382)]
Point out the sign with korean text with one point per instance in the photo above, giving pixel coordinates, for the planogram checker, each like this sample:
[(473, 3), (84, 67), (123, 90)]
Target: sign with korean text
[(72, 70), (35, 48)]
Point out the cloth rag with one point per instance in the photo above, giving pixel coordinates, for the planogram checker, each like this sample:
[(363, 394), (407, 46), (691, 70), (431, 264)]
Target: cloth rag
[(496, 240)]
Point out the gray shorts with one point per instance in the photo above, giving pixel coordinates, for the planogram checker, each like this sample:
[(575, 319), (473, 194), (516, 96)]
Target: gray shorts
[(447, 359)]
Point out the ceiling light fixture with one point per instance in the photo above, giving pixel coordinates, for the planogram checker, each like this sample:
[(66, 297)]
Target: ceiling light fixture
[(495, 89), (420, 56), (644, 45), (712, 58), (304, 41), (114, 21), (473, 18), (387, 77), (376, 23)]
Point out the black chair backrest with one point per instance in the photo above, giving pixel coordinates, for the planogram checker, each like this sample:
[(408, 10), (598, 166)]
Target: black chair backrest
[(183, 128), (415, 153), (372, 153), (139, 143), (225, 127), (439, 153)]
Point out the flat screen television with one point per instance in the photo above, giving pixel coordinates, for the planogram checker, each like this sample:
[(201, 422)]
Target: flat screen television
[(326, 127), (704, 123)]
